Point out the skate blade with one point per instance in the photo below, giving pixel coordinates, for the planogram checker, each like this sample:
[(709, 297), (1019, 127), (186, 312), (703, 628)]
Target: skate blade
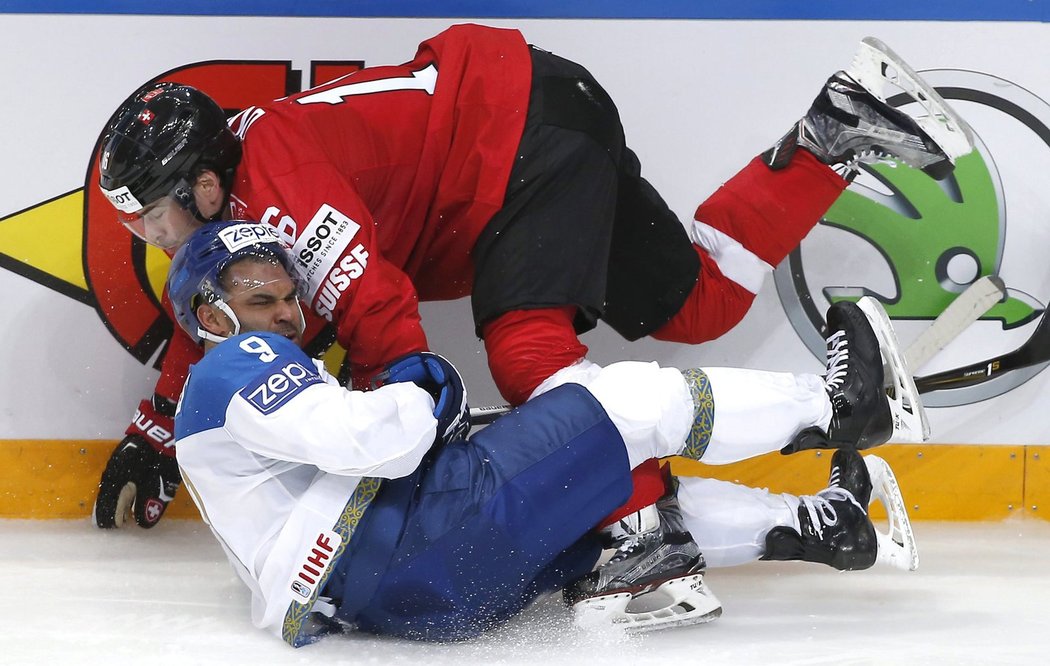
[(678, 602), (875, 65), (910, 423), (897, 545)]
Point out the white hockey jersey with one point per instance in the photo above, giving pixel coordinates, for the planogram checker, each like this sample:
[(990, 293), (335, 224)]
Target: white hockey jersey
[(282, 462)]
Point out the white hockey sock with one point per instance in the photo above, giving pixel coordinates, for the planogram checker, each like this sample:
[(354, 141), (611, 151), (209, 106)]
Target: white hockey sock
[(718, 415), (650, 406), (745, 413), (730, 521)]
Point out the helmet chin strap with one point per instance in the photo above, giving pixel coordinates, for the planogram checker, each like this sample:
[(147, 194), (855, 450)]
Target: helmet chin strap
[(228, 311), (302, 317), (185, 197), (193, 210)]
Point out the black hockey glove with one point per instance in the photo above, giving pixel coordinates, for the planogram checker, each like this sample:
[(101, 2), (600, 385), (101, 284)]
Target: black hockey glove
[(438, 377), (141, 476), (812, 437)]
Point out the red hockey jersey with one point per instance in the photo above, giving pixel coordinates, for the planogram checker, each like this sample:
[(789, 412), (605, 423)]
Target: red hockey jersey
[(381, 181)]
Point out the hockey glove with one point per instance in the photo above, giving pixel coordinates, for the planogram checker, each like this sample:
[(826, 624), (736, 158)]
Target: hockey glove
[(812, 437), (141, 476), (435, 375)]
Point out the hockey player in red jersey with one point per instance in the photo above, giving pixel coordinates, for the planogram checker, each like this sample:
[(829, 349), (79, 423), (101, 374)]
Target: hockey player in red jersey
[(488, 167), (141, 476)]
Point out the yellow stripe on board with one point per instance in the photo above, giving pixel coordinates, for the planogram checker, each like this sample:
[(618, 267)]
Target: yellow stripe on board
[(59, 479), (938, 481), (1037, 482)]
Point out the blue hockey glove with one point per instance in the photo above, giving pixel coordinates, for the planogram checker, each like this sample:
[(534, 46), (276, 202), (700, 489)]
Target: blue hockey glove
[(435, 375)]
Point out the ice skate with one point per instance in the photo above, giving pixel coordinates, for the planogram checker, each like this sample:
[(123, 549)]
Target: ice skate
[(654, 580), (855, 380), (910, 423), (851, 122), (861, 415), (834, 527), (897, 543)]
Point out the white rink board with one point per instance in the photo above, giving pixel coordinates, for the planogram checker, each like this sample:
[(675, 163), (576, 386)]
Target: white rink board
[(698, 100)]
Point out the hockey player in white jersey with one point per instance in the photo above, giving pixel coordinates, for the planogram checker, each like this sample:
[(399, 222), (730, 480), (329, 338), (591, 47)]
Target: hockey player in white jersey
[(372, 509)]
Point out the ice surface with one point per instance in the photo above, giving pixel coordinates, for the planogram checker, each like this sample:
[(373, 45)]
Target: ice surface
[(72, 594)]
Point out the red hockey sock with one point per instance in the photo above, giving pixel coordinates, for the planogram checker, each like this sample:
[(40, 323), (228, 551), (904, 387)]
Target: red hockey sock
[(649, 486), (526, 347), (770, 212), (715, 305)]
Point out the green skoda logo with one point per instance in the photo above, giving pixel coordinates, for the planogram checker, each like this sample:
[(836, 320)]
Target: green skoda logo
[(916, 243)]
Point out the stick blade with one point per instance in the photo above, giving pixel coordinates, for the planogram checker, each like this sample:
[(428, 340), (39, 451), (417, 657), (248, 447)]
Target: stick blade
[(967, 308)]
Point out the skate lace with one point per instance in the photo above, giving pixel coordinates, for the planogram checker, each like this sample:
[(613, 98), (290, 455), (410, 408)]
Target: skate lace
[(851, 167), (873, 156), (629, 548), (838, 360), (822, 512)]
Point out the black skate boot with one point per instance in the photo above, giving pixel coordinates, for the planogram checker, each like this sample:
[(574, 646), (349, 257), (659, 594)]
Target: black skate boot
[(850, 122), (653, 581), (835, 528), (861, 415), (855, 382)]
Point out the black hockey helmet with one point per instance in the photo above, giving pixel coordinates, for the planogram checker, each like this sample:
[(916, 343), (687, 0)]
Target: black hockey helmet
[(158, 141)]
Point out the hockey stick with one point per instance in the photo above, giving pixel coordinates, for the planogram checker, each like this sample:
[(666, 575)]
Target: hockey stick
[(967, 308), (1033, 352), (486, 415)]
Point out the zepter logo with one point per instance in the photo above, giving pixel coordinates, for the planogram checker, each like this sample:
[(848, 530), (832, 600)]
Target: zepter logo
[(916, 243), (112, 271)]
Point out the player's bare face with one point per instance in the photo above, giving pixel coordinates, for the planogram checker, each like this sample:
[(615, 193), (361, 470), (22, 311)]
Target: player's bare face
[(164, 224), (264, 298)]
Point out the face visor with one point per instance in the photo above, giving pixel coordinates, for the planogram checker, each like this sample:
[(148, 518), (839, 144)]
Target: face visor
[(257, 291), (165, 223)]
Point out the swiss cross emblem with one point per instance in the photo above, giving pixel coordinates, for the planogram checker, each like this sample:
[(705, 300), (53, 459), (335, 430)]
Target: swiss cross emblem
[(147, 116), (154, 509)]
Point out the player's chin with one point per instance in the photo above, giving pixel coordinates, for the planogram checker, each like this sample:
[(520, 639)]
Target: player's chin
[(169, 245), (294, 336)]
